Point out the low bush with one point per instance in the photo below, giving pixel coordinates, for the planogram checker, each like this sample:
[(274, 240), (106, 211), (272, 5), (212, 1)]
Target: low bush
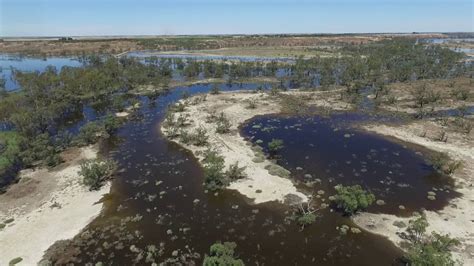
[(41, 148), (222, 255), (214, 177), (90, 133), (306, 219), (235, 172), (443, 163), (351, 199), (181, 121), (185, 137), (169, 119), (95, 172), (223, 124), (199, 137), (10, 145), (461, 94), (427, 250)]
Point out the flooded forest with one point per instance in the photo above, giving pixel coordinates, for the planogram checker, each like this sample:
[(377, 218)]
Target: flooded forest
[(276, 150)]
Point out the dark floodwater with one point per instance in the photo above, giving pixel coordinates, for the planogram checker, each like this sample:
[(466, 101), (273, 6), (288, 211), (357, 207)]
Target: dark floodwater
[(329, 150), (157, 199)]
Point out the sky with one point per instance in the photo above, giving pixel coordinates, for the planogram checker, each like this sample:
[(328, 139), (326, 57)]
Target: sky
[(180, 17)]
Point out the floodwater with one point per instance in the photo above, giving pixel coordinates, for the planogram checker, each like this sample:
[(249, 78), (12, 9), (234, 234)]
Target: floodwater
[(30, 64), (330, 151), (193, 56), (159, 211)]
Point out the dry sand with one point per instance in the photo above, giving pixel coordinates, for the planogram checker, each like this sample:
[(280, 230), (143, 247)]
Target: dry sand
[(456, 219), (47, 206)]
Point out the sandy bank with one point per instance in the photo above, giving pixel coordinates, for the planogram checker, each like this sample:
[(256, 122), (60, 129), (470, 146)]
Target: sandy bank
[(456, 219), (47, 206), (260, 185)]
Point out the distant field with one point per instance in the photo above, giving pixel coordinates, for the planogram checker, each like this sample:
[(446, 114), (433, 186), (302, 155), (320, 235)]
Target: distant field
[(280, 51), (250, 45)]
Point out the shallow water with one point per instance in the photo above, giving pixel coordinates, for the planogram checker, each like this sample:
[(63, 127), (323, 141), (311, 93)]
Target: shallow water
[(331, 151), (30, 64), (158, 198), (144, 54)]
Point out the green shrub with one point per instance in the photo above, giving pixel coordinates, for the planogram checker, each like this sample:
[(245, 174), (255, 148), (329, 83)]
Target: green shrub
[(10, 145), (93, 131), (461, 94), (275, 145), (214, 177), (428, 250), (169, 119), (444, 164), (185, 137), (199, 137), (350, 199), (40, 148), (222, 255), (181, 121), (416, 229), (306, 219), (223, 124), (111, 123), (235, 172), (90, 133), (95, 172)]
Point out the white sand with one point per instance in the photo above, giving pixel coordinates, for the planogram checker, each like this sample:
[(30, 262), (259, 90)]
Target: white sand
[(456, 219), (38, 224)]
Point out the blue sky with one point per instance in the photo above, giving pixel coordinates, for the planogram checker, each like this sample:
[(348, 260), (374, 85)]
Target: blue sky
[(150, 17)]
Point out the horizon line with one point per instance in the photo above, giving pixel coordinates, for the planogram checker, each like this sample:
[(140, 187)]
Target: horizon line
[(236, 34)]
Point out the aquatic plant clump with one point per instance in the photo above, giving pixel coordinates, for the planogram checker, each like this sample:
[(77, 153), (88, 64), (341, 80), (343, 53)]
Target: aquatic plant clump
[(222, 254), (351, 199), (275, 145)]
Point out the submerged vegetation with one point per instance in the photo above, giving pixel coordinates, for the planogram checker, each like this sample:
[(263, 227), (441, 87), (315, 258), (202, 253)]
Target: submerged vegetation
[(222, 254), (351, 199), (52, 112)]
